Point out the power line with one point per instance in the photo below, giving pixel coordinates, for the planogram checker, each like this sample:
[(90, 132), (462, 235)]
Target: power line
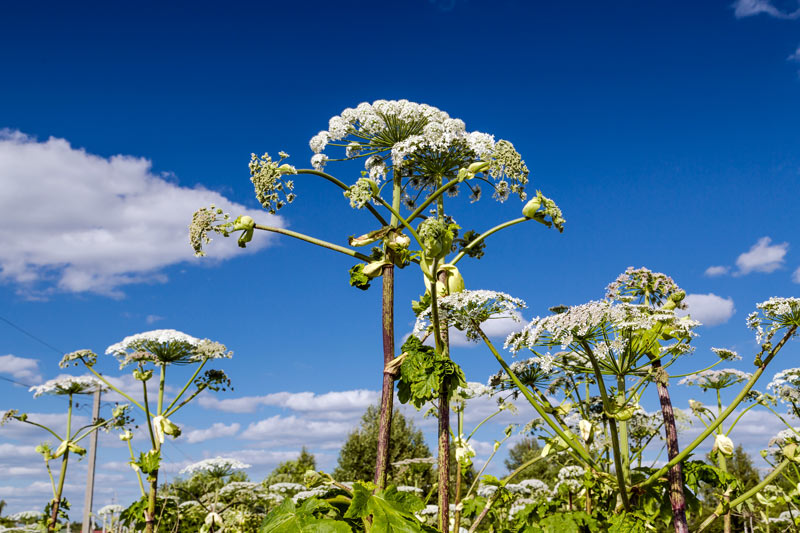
[(32, 336), (15, 382)]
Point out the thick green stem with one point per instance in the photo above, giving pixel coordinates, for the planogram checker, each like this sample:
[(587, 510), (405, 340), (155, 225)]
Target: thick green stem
[(747, 495), (387, 336), (733, 405), (313, 240), (623, 433), (63, 473), (497, 493), (612, 427), (569, 440), (59, 490)]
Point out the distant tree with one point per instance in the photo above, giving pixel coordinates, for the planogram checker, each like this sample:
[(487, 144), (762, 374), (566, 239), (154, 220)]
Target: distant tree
[(740, 466), (292, 471), (528, 448), (358, 455)]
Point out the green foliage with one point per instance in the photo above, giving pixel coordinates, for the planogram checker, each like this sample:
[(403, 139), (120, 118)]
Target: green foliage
[(358, 279), (567, 522), (311, 516), (359, 453), (424, 373), (525, 450), (292, 471), (167, 516), (464, 241), (391, 510)]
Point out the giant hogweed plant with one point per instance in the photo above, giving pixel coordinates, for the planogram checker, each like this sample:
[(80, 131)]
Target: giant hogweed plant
[(149, 352), (614, 349), (415, 156), (69, 386)]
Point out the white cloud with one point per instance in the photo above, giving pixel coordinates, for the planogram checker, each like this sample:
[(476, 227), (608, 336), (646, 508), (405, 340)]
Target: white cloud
[(78, 222), (216, 431), (152, 319), (796, 275), (749, 8), (337, 404), (709, 309), (713, 271), (762, 257), (292, 429), (795, 56), (20, 368)]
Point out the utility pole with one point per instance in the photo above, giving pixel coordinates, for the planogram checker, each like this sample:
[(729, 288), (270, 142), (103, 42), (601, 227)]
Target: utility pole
[(87, 500)]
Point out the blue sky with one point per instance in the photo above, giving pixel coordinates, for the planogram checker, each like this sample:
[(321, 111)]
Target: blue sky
[(667, 133)]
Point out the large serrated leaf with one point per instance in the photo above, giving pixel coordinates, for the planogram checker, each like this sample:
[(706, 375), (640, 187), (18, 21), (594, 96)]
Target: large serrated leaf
[(288, 518)]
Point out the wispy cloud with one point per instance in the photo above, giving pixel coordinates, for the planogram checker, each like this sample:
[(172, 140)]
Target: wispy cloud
[(217, 430), (20, 368), (152, 319), (749, 8), (709, 309), (337, 404), (796, 275), (714, 271), (762, 257), (101, 223)]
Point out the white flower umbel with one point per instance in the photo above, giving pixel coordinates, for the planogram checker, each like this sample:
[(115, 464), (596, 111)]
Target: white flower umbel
[(110, 509), (215, 466), (772, 315), (466, 309), (470, 391), (716, 379), (166, 346), (68, 385), (604, 326), (726, 354), (422, 140), (786, 386), (286, 488)]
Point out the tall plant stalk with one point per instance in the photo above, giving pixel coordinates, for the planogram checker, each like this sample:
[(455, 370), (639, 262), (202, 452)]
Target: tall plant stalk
[(677, 498)]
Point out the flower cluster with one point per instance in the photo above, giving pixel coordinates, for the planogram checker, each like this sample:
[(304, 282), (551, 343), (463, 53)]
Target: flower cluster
[(110, 509), (466, 310), (272, 190), (205, 220), (68, 385), (87, 357), (726, 354), (533, 372), (166, 346), (775, 313), (570, 478), (216, 466), (716, 379), (472, 390), (786, 386), (285, 488), (606, 326), (644, 286), (361, 193), (422, 142)]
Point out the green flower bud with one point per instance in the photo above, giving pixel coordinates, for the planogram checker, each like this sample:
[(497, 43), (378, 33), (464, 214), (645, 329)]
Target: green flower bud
[(247, 225), (437, 238), (374, 269), (142, 375), (586, 428), (455, 283), (724, 444), (170, 428), (126, 436), (531, 207), (478, 166)]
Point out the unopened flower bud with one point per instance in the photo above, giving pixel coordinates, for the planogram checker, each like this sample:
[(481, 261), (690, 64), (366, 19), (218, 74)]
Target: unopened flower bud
[(126, 436), (531, 207), (724, 444), (586, 430), (478, 166)]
